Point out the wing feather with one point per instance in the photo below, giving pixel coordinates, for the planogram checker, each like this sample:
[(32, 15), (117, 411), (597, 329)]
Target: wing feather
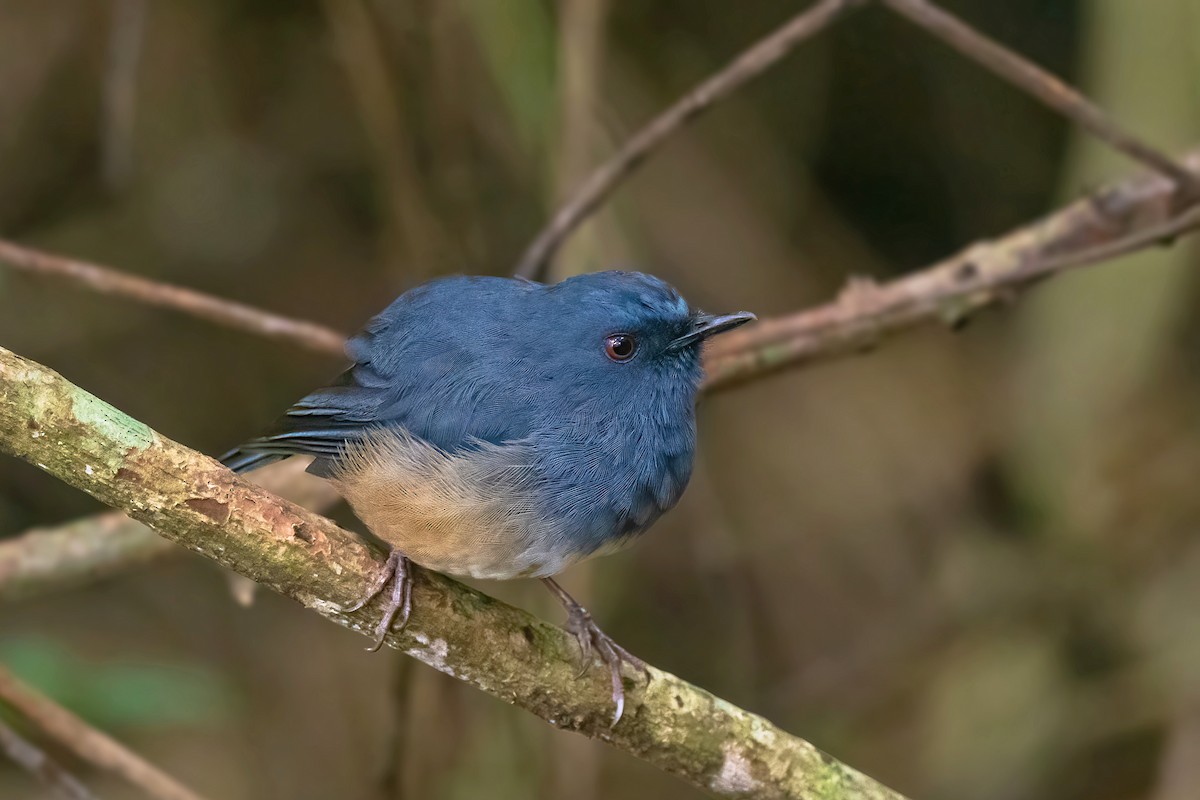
[(420, 365)]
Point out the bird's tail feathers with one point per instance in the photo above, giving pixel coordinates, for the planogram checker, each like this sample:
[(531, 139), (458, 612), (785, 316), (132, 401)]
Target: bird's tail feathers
[(241, 461)]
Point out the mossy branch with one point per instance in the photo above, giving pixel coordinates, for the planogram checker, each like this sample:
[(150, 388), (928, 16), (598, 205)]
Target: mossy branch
[(197, 503)]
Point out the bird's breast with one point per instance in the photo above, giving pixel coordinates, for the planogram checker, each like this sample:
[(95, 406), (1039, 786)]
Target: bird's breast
[(522, 509), (475, 512), (613, 475)]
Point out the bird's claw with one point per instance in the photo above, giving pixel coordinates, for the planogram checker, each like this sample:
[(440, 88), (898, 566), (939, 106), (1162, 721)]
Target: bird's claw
[(589, 636), (399, 570)]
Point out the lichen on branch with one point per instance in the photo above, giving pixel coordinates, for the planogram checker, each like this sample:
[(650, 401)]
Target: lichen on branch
[(194, 501)]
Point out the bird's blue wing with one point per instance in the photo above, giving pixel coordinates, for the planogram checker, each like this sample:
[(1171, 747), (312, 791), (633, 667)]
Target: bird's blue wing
[(319, 425), (418, 365)]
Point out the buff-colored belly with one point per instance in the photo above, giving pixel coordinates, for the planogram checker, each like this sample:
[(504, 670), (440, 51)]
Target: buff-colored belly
[(457, 539), (462, 514)]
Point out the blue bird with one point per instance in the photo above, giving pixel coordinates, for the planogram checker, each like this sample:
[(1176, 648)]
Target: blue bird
[(502, 428)]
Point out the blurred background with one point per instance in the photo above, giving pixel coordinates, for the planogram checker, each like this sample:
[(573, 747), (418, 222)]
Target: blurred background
[(967, 564)]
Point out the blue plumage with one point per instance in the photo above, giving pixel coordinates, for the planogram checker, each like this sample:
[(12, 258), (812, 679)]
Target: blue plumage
[(579, 397), (464, 360)]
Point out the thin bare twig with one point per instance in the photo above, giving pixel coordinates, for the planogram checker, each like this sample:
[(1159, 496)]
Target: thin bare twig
[(1047, 88), (89, 743), (1163, 233), (242, 317), (41, 766), (79, 552), (1124, 218), (763, 55)]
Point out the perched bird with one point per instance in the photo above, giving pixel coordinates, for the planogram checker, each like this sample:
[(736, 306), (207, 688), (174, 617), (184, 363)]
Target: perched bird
[(502, 428)]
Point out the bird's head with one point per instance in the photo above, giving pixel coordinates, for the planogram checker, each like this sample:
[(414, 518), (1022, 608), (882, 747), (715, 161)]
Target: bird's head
[(628, 331)]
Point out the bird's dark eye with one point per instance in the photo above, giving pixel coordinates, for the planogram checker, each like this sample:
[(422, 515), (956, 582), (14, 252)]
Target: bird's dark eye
[(620, 346)]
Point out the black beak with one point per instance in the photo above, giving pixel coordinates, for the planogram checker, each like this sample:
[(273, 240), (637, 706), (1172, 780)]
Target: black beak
[(706, 325)]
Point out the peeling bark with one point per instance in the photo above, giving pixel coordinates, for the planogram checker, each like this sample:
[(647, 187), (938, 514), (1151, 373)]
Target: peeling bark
[(194, 501)]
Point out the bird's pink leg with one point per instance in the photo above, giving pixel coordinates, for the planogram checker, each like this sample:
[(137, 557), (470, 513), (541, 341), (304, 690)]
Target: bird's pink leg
[(398, 569), (590, 637)]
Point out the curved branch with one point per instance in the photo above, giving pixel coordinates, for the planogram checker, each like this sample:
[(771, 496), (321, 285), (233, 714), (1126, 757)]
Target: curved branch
[(40, 766), (90, 548), (89, 743), (194, 501), (1042, 85), (238, 316), (760, 57), (1126, 217)]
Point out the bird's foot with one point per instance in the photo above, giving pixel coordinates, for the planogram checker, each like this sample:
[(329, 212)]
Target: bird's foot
[(591, 639), (398, 569)]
